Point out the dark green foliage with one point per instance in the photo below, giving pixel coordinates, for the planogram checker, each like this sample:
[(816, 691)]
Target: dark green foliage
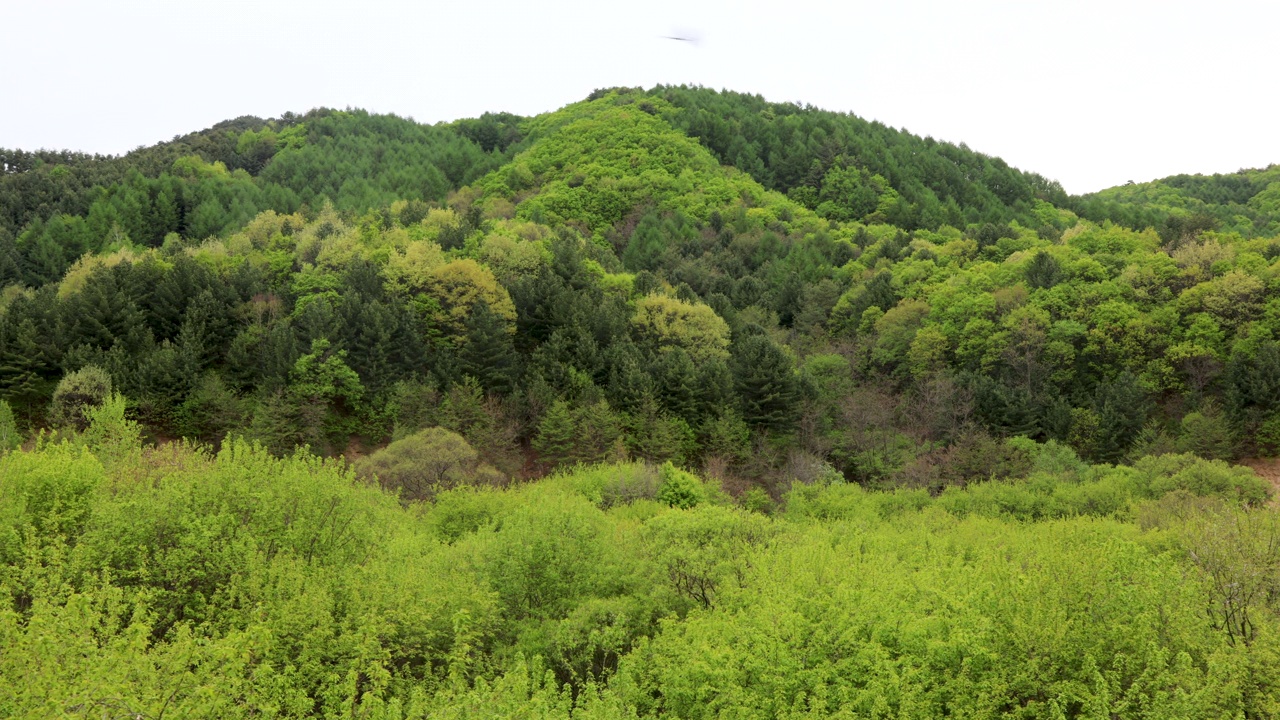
[(1043, 271), (557, 434), (1183, 206), (792, 148), (457, 306), (345, 160), (211, 411), (766, 383), (326, 280), (489, 355), (656, 436)]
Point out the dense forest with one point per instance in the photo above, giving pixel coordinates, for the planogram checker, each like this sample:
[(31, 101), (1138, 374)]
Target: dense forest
[(669, 403)]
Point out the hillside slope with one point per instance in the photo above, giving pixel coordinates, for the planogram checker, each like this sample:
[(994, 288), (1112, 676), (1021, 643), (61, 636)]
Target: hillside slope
[(1246, 202), (598, 268)]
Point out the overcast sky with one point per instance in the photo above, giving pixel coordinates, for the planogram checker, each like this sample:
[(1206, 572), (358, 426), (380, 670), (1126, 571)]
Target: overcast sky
[(1091, 93)]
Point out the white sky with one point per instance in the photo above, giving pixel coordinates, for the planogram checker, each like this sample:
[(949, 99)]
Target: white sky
[(1087, 92)]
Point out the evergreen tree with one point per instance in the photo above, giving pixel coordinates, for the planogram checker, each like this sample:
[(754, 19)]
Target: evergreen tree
[(557, 435), (489, 354), (1043, 271), (766, 383), (657, 437), (22, 361), (599, 434), (676, 383)]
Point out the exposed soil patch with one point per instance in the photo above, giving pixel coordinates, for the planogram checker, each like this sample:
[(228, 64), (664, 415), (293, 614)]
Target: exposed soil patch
[(1267, 469)]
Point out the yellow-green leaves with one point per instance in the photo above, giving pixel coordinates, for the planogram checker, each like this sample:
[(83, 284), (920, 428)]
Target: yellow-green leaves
[(456, 289), (664, 322)]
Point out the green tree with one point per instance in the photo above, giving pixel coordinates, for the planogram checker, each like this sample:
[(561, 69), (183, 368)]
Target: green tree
[(489, 354), (454, 291), (1206, 433), (656, 436), (77, 393), (1044, 271), (10, 437), (557, 435), (661, 323), (766, 383), (678, 488), (430, 461)]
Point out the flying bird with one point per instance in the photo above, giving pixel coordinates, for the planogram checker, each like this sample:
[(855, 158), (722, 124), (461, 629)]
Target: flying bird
[(681, 36)]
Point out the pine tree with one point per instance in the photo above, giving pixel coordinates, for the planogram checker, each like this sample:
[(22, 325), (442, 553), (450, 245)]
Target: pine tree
[(489, 354), (1043, 271), (657, 437), (557, 435), (598, 433), (22, 362), (766, 382), (677, 383)]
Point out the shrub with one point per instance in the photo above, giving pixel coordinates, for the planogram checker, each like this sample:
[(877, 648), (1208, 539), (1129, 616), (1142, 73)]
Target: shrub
[(758, 501), (699, 553), (111, 435), (76, 393), (10, 438), (426, 462), (1167, 473), (678, 488)]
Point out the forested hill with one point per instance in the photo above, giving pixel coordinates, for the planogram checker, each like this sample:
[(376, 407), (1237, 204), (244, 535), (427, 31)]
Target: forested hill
[(599, 267), (54, 206), (848, 168), (1245, 202), (666, 404)]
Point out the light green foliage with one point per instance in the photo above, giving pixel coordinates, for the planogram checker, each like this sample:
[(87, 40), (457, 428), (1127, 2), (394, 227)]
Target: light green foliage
[(1166, 473), (113, 437), (322, 376), (701, 553), (241, 584), (10, 437), (455, 289), (76, 394), (634, 158), (665, 322), (613, 485), (757, 500), (49, 494), (844, 620), (1238, 554), (678, 488), (420, 465), (624, 279)]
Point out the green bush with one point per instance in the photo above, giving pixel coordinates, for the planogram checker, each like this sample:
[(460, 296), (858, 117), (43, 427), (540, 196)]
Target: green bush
[(10, 437), (1166, 473), (678, 488), (422, 464), (49, 493), (76, 393)]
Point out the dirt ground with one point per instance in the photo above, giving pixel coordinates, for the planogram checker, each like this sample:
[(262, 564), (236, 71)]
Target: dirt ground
[(1267, 469)]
